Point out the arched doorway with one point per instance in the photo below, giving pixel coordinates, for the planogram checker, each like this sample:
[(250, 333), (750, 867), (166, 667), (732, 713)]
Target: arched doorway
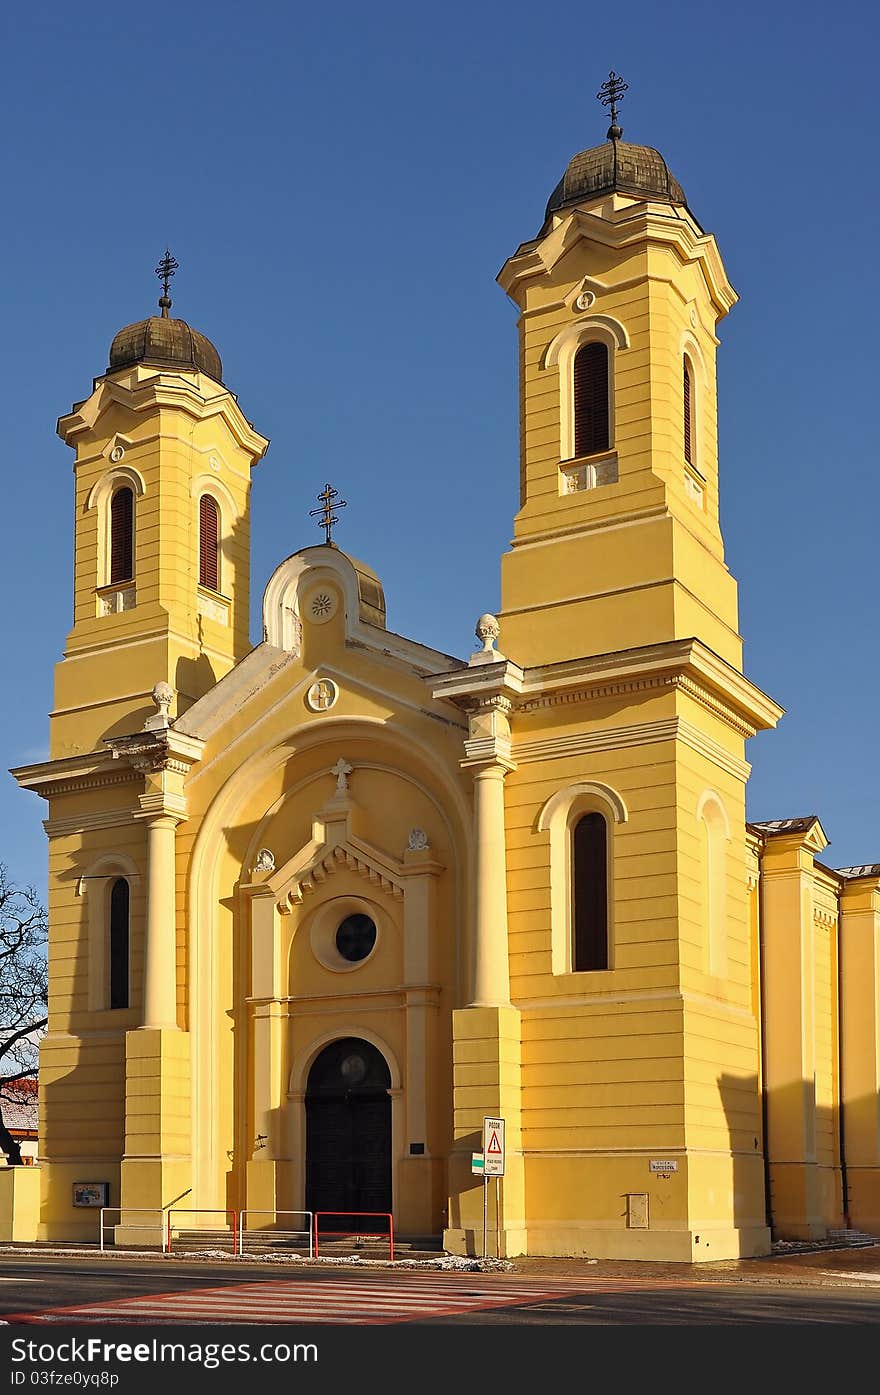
[(348, 1134)]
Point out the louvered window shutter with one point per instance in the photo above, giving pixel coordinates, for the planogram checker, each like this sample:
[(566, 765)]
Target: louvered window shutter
[(121, 536), (591, 418), (209, 530), (688, 446)]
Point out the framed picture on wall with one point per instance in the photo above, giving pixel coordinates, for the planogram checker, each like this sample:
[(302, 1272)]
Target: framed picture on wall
[(91, 1193)]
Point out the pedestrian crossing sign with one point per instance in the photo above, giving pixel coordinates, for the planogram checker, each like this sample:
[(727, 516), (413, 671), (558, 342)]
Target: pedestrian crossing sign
[(493, 1147)]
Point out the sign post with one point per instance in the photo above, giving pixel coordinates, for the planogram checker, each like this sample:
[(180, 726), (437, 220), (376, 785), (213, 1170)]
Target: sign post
[(493, 1166)]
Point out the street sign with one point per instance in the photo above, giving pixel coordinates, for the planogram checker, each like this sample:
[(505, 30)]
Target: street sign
[(478, 1164), (663, 1165), (493, 1147)]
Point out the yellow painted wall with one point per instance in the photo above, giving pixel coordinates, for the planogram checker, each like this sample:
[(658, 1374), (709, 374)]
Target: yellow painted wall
[(665, 1055)]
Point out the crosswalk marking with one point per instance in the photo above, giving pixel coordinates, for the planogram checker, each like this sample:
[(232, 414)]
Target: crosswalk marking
[(398, 1298)]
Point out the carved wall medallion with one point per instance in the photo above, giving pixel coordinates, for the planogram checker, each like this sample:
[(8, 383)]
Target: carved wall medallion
[(322, 695), (322, 605)]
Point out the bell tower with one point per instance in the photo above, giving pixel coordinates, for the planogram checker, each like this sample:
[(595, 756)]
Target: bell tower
[(163, 455), (618, 1034), (617, 537)]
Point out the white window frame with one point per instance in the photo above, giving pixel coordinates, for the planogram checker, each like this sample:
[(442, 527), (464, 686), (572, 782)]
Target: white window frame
[(558, 818), (561, 354)]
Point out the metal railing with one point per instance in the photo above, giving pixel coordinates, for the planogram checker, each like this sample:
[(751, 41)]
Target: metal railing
[(217, 1235), (157, 1229), (263, 1234), (364, 1234)]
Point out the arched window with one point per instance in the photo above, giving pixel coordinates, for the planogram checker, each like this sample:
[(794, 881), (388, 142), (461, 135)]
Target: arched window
[(119, 943), (589, 868), (688, 410), (209, 543), (591, 408), (715, 836), (122, 536)]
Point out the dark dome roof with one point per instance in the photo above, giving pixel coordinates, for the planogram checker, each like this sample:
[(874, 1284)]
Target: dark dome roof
[(168, 344), (629, 169)]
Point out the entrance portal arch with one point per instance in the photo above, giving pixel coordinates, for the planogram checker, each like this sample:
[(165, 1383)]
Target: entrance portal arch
[(348, 1133)]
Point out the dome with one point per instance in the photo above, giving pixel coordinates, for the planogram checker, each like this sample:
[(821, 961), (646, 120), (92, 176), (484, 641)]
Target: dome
[(616, 166), (166, 343)]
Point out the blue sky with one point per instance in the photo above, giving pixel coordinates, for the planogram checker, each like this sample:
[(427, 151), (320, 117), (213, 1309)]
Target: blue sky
[(341, 185)]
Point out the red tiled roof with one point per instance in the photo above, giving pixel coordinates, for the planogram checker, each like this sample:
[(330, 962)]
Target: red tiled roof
[(19, 1104)]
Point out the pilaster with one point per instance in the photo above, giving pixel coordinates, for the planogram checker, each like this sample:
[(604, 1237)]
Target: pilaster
[(860, 1046), (790, 1033), (487, 1074), (157, 1166)]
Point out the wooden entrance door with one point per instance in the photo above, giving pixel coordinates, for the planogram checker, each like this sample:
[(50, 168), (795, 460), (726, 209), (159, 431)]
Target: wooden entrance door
[(348, 1135)]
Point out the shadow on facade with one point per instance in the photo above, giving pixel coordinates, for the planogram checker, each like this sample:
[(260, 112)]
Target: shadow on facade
[(801, 1164)]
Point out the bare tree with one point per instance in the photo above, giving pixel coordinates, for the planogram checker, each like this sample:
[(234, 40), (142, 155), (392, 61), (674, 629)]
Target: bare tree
[(23, 996)]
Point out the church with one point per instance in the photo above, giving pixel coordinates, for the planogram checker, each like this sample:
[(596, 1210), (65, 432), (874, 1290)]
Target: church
[(322, 904)]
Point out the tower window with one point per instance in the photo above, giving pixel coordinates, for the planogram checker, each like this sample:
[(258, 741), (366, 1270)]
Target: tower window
[(589, 865), (591, 408), (119, 943), (122, 536), (209, 543), (688, 410)]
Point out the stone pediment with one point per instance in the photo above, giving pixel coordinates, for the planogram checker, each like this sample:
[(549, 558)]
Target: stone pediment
[(353, 857), (332, 848)]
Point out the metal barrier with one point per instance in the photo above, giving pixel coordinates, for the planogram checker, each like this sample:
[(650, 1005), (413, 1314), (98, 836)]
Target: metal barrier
[(277, 1235), (157, 1229), (216, 1235), (371, 1234)]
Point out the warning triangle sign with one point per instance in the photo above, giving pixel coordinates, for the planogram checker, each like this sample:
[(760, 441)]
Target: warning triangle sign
[(494, 1145)]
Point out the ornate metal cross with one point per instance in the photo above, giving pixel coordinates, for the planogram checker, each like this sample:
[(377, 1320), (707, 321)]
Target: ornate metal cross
[(609, 94), (165, 270), (330, 501)]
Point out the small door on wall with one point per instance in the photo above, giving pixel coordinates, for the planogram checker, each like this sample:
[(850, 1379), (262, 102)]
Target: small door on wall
[(348, 1135)]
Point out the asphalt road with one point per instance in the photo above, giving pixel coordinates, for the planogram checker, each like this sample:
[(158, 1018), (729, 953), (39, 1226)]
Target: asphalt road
[(43, 1292)]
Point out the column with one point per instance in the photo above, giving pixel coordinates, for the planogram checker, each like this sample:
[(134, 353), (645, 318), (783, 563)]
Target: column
[(160, 939), (491, 986), (268, 1165), (420, 1171)]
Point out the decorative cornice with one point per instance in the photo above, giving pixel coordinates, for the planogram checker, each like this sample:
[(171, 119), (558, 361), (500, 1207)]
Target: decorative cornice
[(827, 919), (153, 751), (481, 687), (687, 664), (84, 823), (144, 390), (591, 692), (632, 223), (710, 701), (71, 774)]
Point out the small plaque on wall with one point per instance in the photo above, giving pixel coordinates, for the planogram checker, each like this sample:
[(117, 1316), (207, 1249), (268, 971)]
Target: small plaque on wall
[(91, 1193)]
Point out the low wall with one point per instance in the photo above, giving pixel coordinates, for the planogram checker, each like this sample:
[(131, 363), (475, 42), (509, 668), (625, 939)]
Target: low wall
[(19, 1203)]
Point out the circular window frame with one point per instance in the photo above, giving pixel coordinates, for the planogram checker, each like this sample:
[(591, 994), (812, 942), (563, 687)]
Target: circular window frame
[(326, 923)]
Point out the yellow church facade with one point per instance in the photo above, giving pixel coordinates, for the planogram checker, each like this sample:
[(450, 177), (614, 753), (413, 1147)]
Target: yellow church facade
[(320, 905)]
